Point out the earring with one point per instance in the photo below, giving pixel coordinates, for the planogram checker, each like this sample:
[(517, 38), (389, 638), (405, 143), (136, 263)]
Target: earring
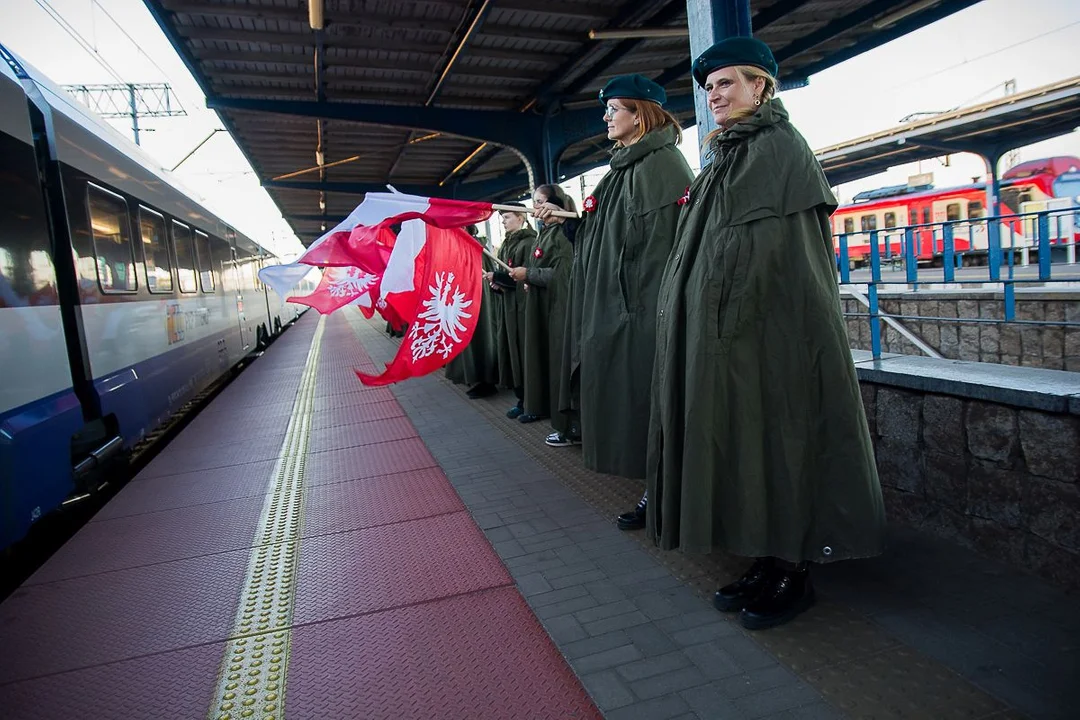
[(757, 101)]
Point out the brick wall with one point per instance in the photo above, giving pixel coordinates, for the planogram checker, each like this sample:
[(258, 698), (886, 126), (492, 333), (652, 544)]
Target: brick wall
[(1000, 480), (1049, 347)]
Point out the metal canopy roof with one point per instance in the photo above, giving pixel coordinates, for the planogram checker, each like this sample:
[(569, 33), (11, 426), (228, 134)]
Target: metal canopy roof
[(990, 130), (464, 98)]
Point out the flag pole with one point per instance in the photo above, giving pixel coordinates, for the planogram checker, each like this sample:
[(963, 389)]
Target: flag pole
[(518, 209), (498, 262)]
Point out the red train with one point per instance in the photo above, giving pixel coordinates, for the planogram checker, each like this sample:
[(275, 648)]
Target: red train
[(1051, 184)]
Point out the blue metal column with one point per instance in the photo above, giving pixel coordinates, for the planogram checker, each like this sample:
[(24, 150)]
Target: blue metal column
[(993, 209), (711, 21)]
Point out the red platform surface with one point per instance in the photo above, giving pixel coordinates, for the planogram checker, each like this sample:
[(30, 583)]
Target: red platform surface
[(480, 655), (401, 608)]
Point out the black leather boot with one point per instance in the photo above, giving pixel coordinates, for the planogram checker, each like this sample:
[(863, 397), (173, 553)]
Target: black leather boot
[(786, 594), (635, 519), (734, 597)]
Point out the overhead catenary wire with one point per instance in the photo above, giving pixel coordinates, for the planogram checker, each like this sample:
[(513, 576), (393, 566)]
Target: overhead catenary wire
[(78, 38)]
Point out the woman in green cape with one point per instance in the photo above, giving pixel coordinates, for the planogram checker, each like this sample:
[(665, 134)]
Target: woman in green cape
[(546, 276), (620, 251), (509, 305), (758, 443)]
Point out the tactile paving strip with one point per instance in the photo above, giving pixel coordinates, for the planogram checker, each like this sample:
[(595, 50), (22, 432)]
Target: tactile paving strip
[(473, 657), (393, 565), (251, 681)]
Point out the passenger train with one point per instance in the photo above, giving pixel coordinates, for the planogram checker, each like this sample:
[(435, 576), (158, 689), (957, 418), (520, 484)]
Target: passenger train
[(1049, 184), (121, 297)]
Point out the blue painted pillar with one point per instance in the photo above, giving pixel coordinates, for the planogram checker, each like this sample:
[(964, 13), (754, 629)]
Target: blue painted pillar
[(711, 21), (993, 209)]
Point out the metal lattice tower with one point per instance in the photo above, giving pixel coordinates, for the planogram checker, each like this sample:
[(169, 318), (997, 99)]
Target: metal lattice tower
[(133, 100)]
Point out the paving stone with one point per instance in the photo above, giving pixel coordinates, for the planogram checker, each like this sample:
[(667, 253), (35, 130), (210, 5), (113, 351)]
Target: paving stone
[(566, 607), (777, 699), (619, 607), (556, 596), (607, 690), (710, 701), (661, 708), (713, 660), (619, 622), (650, 639), (533, 584), (564, 629), (606, 659), (593, 645), (669, 682), (651, 666)]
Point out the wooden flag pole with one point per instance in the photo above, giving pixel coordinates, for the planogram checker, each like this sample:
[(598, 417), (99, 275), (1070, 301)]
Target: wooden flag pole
[(498, 262), (526, 211)]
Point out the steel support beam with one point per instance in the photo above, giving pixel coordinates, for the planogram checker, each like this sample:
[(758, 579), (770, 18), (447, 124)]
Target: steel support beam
[(711, 21)]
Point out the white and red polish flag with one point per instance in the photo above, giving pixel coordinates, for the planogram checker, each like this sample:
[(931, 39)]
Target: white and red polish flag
[(433, 282), (411, 258), (341, 286)]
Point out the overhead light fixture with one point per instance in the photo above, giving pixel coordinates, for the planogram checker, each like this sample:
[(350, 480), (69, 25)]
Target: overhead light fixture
[(890, 20), (320, 159), (322, 202), (634, 33), (315, 14)]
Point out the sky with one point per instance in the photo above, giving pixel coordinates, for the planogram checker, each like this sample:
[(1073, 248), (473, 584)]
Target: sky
[(960, 61)]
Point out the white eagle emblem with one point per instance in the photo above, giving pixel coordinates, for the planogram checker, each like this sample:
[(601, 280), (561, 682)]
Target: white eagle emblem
[(350, 281), (440, 322)]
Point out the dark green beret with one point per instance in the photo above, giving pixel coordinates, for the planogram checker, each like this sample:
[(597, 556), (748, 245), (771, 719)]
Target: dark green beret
[(734, 51), (633, 87)]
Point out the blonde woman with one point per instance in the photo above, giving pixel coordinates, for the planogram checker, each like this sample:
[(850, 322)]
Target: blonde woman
[(758, 443)]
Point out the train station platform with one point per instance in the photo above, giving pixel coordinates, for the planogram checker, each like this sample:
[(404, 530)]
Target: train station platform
[(311, 548)]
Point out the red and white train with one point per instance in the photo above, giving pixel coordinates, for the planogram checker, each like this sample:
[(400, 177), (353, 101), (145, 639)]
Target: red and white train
[(1050, 184)]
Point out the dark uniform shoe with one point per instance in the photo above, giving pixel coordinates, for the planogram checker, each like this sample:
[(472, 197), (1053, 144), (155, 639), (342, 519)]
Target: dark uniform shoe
[(635, 519), (786, 594), (734, 597)]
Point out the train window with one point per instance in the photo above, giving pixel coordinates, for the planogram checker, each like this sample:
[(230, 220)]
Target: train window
[(890, 220), (952, 211), (185, 257), (926, 215), (868, 222), (849, 224), (975, 209), (914, 217), (155, 251), (113, 251), (206, 274)]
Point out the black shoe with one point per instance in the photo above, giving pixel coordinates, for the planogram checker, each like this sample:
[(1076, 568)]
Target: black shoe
[(481, 390), (529, 418), (514, 412), (734, 597), (787, 593), (635, 519)]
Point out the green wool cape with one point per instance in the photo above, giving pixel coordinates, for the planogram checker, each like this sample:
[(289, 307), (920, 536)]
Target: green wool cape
[(620, 252), (548, 278), (477, 362), (509, 315), (758, 443)]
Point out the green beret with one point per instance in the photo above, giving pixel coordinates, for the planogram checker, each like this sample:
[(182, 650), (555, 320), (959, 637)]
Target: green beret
[(633, 87), (734, 51)]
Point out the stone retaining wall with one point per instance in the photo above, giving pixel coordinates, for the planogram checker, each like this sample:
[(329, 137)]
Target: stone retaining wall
[(1049, 347), (995, 478)]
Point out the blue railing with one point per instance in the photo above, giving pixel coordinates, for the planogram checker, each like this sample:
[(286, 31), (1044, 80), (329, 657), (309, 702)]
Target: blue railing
[(994, 249)]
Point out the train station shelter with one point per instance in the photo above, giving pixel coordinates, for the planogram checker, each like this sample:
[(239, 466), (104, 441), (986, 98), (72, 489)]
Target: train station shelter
[(472, 100)]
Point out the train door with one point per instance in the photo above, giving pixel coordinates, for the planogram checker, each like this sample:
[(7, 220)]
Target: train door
[(949, 210), (241, 317)]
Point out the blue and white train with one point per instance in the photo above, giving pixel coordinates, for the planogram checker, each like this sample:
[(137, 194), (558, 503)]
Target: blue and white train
[(121, 297)]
